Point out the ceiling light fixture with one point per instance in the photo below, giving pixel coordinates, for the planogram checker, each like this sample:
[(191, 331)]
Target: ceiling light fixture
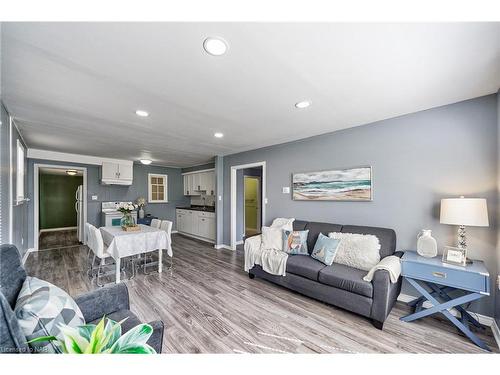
[(146, 161), (141, 113), (218, 135), (303, 104), (72, 172), (215, 46)]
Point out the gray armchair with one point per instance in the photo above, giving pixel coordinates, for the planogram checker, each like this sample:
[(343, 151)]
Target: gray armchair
[(111, 301)]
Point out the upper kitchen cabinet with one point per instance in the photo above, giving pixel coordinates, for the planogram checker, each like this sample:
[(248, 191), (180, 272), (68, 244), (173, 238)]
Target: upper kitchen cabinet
[(197, 183), (119, 173)]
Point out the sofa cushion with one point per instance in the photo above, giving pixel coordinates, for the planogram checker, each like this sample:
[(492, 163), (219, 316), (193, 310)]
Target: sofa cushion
[(386, 236), (346, 278), (295, 242), (316, 228), (325, 249), (357, 250), (12, 273), (40, 308), (299, 224), (304, 265)]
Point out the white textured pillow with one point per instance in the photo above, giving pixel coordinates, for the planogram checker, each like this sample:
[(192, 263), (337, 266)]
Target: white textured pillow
[(283, 223), (361, 251), (272, 238)]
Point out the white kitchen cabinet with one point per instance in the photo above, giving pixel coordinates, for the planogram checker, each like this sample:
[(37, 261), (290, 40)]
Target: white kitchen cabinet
[(197, 183), (116, 173), (199, 224)]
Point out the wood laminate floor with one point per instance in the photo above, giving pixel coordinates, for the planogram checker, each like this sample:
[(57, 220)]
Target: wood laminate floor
[(57, 239), (209, 305)]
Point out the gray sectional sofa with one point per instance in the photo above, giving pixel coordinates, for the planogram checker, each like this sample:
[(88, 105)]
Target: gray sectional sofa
[(113, 302), (340, 285)]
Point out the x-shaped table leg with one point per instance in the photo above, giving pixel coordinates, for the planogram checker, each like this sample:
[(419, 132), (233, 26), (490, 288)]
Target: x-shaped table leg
[(443, 309)]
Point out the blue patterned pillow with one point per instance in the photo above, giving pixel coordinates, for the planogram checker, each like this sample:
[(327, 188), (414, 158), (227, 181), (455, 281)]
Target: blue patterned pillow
[(295, 242), (325, 249)]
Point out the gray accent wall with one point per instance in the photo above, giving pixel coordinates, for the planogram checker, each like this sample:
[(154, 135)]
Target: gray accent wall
[(106, 193), (417, 159)]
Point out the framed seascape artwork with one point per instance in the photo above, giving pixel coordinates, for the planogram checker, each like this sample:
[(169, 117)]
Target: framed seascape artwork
[(353, 184)]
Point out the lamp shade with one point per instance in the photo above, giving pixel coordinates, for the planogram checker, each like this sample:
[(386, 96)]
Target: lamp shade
[(464, 211)]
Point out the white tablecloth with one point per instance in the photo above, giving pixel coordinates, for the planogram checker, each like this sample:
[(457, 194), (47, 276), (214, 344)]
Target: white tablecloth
[(122, 244)]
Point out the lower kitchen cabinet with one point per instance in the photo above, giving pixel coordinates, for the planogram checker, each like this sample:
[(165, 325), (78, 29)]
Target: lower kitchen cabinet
[(200, 224)]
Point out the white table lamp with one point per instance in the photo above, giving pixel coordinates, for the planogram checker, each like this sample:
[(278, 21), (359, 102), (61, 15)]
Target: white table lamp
[(464, 211)]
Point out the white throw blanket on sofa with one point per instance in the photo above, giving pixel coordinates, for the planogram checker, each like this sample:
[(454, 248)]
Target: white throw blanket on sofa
[(271, 261), (391, 264)]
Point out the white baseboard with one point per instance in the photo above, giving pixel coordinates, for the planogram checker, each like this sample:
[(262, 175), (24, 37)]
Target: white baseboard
[(223, 247), (26, 255), (56, 229), (174, 231), (196, 237), (483, 319), (496, 332), (239, 242)]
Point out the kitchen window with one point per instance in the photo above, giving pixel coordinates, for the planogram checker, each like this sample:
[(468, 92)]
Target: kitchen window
[(158, 188)]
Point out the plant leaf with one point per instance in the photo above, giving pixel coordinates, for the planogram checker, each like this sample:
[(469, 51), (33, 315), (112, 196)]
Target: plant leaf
[(135, 337), (86, 331), (137, 349), (42, 338), (96, 338), (74, 342), (112, 331)]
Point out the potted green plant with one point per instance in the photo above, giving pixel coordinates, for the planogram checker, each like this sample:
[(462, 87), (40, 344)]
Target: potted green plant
[(104, 338)]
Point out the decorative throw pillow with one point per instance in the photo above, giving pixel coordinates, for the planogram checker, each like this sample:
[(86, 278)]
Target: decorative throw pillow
[(283, 223), (295, 242), (40, 308), (271, 238), (325, 249), (361, 251)]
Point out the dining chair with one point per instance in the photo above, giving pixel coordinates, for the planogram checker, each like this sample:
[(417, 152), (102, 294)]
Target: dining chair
[(86, 234), (99, 249), (166, 225), (155, 223)]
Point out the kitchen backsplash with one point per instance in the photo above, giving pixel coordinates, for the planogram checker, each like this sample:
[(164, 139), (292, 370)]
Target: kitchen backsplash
[(198, 200)]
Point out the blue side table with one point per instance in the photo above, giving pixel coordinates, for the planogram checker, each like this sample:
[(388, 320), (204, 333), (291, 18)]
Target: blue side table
[(434, 280)]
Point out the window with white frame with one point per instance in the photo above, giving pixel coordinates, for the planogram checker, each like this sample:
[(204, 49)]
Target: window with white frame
[(158, 188), (20, 173)]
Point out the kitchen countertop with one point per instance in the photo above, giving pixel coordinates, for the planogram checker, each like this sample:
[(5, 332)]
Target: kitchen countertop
[(198, 208)]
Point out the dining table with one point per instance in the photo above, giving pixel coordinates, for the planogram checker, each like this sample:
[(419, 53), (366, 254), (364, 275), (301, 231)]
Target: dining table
[(121, 243)]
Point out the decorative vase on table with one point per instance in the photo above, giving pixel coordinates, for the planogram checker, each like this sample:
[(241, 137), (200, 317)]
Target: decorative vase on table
[(426, 244), (141, 213), (127, 220)]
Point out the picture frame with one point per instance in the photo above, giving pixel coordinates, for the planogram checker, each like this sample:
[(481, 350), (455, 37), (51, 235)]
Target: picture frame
[(341, 184), (455, 256)]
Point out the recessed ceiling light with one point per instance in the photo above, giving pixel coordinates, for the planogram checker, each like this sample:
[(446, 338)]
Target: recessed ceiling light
[(71, 172), (302, 105), (146, 161), (218, 135), (141, 113), (215, 46)]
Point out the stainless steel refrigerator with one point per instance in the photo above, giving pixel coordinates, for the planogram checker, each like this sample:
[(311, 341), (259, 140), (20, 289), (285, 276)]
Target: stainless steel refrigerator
[(79, 204)]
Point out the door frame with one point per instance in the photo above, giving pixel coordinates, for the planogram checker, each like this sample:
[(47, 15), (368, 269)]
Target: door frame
[(259, 203), (36, 196), (234, 169)]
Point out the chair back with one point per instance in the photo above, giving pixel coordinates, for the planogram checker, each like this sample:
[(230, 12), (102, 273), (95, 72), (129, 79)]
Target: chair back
[(87, 232), (97, 243), (155, 223), (166, 225)]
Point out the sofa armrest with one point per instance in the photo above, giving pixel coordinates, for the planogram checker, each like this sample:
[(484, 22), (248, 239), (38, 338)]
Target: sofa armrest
[(253, 243), (385, 294), (156, 339), (103, 301)]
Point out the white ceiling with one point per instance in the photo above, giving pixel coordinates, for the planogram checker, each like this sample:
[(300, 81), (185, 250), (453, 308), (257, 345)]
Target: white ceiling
[(74, 87)]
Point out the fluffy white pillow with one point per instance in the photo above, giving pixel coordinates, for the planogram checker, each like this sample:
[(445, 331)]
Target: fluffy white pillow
[(361, 251), (272, 238), (283, 223)]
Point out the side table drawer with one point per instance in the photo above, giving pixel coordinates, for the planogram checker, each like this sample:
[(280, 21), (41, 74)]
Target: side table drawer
[(453, 277)]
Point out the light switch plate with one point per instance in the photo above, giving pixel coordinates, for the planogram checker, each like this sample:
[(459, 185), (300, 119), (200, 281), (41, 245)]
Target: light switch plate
[(94, 197), (285, 190), (220, 197), (265, 200)]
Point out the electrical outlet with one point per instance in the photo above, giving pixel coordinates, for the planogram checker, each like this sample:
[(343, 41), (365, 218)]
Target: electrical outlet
[(22, 241), (285, 190), (94, 197)]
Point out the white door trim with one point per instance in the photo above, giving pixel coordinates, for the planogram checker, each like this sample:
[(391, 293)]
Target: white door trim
[(36, 200), (234, 169)]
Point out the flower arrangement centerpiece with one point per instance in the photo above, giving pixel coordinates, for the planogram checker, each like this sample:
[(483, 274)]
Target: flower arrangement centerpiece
[(141, 202), (103, 338), (126, 209)]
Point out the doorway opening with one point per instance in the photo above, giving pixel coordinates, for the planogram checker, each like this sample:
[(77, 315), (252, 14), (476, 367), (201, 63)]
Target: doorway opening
[(60, 206), (248, 200)]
